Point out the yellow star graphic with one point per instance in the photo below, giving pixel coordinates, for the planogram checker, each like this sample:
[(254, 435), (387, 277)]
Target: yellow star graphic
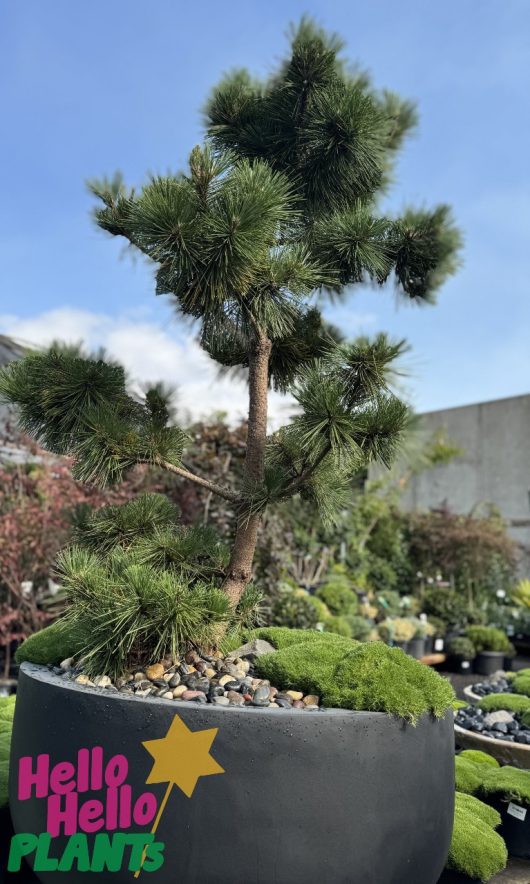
[(182, 756)]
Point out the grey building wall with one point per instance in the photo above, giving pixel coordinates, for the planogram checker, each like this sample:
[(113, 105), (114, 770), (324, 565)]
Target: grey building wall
[(494, 467)]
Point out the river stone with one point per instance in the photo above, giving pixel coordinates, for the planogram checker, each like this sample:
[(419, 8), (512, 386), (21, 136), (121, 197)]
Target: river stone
[(254, 649), (155, 671), (221, 701), (311, 700), (261, 696), (174, 681), (500, 717)]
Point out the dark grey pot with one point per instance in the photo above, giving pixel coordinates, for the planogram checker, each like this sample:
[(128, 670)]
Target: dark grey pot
[(450, 877), (488, 662), (306, 798), (416, 648)]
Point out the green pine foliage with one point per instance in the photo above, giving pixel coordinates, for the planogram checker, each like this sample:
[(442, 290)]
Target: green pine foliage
[(476, 850)]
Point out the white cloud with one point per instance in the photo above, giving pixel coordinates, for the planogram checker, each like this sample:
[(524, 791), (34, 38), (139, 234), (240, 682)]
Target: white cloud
[(148, 352)]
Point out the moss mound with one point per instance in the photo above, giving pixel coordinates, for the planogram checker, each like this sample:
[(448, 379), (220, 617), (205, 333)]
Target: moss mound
[(371, 677), (468, 775), (50, 645), (521, 684), (282, 637), (478, 757), (508, 783), (477, 850), (510, 702)]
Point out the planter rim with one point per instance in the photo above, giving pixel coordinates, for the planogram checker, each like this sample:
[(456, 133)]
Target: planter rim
[(514, 750), (470, 694), (45, 675)]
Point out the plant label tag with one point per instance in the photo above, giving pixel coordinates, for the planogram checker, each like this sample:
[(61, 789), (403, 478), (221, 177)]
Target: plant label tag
[(438, 644), (518, 812)]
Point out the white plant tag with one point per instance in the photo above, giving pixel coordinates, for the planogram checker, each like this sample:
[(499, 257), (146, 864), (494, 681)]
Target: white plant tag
[(465, 664), (438, 644), (518, 812)]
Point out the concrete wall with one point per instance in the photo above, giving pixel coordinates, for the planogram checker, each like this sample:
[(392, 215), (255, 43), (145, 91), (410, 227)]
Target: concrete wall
[(494, 467)]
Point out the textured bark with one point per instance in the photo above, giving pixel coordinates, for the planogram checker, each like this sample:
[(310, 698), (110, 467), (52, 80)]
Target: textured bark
[(240, 568)]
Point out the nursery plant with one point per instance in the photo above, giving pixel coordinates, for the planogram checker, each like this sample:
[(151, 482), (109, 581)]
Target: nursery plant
[(279, 205), (488, 638)]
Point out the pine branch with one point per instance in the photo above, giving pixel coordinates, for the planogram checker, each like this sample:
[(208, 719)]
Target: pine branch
[(227, 493)]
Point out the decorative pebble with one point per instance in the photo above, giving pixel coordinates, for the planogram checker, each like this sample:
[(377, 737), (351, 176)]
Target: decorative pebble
[(225, 679), (83, 679), (178, 691), (193, 695), (221, 701), (311, 700), (294, 695), (67, 664), (235, 699), (167, 695), (261, 696), (297, 704), (174, 681), (139, 676), (154, 671)]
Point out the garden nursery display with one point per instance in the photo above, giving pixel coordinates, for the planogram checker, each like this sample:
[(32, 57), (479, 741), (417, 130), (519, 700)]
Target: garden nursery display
[(155, 722)]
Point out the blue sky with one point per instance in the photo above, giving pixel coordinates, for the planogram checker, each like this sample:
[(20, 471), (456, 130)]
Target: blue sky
[(89, 88)]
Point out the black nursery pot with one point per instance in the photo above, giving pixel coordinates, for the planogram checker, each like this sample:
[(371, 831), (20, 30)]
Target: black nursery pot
[(416, 648), (305, 797), (450, 877), (460, 665), (488, 662), (514, 830)]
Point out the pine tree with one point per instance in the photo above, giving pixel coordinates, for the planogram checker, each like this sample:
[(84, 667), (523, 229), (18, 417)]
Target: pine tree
[(280, 205)]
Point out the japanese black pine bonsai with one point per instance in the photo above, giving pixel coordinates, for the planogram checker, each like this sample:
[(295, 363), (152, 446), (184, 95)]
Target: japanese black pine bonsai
[(279, 208)]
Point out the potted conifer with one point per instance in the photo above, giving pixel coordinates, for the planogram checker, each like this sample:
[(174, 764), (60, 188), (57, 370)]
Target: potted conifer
[(277, 206)]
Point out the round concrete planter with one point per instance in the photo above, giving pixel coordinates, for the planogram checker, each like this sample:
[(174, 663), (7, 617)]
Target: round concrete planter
[(306, 798), (516, 754)]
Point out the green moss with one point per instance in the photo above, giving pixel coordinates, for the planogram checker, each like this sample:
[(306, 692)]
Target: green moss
[(478, 757), (282, 637), (525, 718), (459, 704), (368, 676), (521, 684), (7, 711), (506, 782), (50, 645), (510, 702), (338, 597), (476, 849), (307, 665), (468, 775)]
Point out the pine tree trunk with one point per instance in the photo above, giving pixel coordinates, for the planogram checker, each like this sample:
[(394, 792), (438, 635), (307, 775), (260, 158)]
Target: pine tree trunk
[(240, 568)]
